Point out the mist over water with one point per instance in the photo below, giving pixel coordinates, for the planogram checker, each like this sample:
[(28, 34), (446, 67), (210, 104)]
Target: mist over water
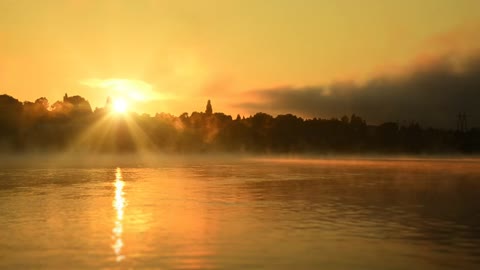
[(244, 213)]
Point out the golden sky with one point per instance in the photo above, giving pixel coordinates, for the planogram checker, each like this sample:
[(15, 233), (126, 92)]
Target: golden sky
[(174, 55)]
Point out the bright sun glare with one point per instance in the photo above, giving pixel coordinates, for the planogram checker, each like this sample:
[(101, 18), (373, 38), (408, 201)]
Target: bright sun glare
[(120, 106)]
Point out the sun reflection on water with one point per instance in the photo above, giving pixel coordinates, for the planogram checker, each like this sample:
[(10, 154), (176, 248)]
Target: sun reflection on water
[(119, 205)]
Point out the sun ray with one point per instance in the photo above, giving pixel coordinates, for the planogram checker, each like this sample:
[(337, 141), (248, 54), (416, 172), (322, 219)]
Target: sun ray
[(141, 139), (89, 137)]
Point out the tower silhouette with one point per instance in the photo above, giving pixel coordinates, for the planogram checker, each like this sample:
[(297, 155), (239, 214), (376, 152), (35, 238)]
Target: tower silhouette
[(462, 122)]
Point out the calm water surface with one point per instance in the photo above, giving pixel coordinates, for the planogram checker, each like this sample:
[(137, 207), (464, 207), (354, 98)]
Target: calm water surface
[(248, 214)]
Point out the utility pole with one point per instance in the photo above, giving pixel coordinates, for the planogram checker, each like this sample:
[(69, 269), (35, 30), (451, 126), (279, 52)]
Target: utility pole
[(462, 122)]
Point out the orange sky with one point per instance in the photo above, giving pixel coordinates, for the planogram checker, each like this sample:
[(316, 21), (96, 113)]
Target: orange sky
[(174, 55)]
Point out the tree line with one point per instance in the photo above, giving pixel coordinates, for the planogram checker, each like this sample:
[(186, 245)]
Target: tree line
[(72, 124)]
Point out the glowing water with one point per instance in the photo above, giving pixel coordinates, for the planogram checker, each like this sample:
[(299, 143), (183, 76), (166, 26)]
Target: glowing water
[(263, 214)]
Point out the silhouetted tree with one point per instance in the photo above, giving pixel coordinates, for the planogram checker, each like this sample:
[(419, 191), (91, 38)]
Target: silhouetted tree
[(10, 121), (209, 109)]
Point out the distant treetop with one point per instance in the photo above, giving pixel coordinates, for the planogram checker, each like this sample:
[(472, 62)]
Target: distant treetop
[(209, 109)]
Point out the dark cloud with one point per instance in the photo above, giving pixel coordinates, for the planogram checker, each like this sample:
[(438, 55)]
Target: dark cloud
[(431, 94)]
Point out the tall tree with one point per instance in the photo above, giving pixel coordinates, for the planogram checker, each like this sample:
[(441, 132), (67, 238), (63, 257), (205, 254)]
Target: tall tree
[(209, 109)]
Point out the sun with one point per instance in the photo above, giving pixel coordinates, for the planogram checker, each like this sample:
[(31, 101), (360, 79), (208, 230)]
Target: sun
[(120, 105)]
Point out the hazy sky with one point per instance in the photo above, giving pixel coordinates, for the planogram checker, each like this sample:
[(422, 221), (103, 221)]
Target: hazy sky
[(174, 55)]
